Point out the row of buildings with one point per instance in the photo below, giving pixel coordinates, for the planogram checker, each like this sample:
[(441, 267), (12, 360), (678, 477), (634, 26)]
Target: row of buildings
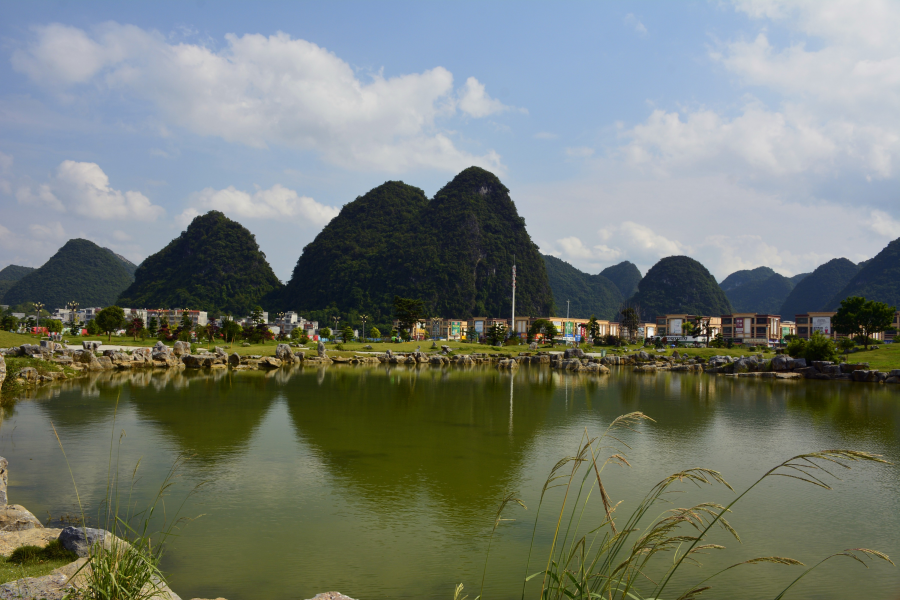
[(741, 328)]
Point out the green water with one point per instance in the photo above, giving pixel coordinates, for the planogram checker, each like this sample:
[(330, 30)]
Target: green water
[(383, 483)]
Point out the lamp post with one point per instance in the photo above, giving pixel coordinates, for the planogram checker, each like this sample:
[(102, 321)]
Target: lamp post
[(73, 306), (280, 320), (335, 319), (38, 306), (364, 318), (435, 321)]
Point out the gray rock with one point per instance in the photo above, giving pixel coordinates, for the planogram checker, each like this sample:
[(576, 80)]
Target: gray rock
[(80, 539), (269, 362), (92, 346), (320, 349), (331, 596), (2, 371), (234, 360), (17, 518), (29, 374), (181, 348), (220, 351), (533, 346), (781, 363), (799, 363), (284, 354)]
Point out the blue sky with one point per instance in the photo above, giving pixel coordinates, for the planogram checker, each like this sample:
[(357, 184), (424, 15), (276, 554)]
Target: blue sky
[(741, 134)]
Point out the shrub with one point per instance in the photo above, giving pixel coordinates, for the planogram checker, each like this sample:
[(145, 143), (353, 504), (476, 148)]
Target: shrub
[(34, 554)]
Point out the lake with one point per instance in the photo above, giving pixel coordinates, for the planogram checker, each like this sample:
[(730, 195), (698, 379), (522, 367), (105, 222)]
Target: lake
[(384, 482)]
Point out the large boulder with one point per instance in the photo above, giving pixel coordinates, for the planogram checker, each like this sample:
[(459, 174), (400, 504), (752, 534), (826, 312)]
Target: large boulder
[(220, 351), (80, 539), (781, 363), (320, 349), (269, 362), (2, 370), (284, 354), (181, 348), (29, 374), (92, 346), (234, 360), (40, 537), (17, 518)]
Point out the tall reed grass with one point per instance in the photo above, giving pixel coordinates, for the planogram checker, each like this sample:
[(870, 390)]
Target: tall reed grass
[(126, 564), (626, 559)]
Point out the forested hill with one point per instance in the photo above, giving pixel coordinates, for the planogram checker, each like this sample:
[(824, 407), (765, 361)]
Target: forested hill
[(9, 275), (739, 278), (625, 275), (80, 271), (815, 291), (454, 252), (765, 297), (878, 279), (214, 265), (587, 294), (680, 284), (129, 266)]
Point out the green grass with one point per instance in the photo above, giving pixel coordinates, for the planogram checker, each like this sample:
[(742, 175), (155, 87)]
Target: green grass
[(8, 340), (34, 561)]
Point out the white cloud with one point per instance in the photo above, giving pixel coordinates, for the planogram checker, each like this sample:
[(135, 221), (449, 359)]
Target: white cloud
[(49, 231), (834, 112), (83, 188), (121, 236), (475, 102), (262, 90), (883, 224), (277, 202), (574, 247), (632, 20), (579, 152)]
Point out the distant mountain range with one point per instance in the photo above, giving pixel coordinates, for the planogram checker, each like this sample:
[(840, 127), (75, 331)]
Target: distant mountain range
[(455, 252), (80, 271)]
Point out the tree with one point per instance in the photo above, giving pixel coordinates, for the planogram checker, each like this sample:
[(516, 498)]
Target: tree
[(630, 317), (544, 327), (53, 325), (325, 332), (688, 329), (111, 318), (593, 328), (408, 311), (153, 326), (187, 324), (92, 327), (860, 317), (256, 315), (230, 329), (496, 333), (134, 327), (347, 334), (296, 332), (9, 323), (375, 333)]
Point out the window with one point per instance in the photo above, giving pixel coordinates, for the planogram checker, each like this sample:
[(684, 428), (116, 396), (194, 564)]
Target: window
[(802, 320), (727, 331), (726, 320), (761, 332), (802, 330)]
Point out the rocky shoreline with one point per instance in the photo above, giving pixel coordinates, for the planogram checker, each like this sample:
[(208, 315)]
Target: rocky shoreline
[(88, 360)]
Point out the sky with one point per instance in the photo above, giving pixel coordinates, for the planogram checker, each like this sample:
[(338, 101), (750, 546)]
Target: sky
[(742, 134)]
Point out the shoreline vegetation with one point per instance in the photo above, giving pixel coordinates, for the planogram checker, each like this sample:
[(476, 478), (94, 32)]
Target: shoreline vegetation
[(28, 364)]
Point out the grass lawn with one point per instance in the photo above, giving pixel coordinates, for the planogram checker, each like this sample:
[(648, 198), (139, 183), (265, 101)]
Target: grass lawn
[(11, 571), (8, 340)]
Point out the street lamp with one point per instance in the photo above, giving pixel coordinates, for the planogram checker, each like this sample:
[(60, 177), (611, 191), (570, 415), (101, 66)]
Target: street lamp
[(73, 306), (435, 321), (335, 319), (364, 318), (38, 306)]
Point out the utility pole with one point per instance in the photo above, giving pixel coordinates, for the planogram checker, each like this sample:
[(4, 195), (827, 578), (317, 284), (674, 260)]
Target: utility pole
[(512, 324)]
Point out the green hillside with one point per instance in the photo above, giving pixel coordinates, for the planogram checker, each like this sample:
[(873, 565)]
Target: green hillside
[(799, 277), (214, 265), (14, 272), (625, 276), (587, 294), (878, 280), (764, 296), (739, 278), (129, 266), (454, 252), (816, 290), (81, 271), (680, 284)]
